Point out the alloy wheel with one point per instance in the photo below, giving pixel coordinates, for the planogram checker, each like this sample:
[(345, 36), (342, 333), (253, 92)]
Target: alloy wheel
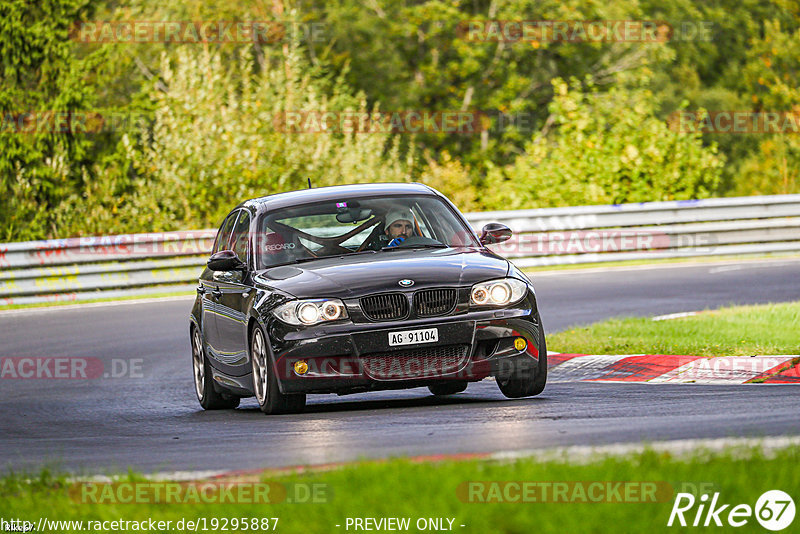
[(198, 363), (259, 356)]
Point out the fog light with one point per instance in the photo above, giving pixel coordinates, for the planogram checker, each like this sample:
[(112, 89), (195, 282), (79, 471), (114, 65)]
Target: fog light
[(300, 367), (520, 343)]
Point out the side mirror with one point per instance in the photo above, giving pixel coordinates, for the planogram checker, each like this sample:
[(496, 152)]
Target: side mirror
[(225, 260), (494, 233)]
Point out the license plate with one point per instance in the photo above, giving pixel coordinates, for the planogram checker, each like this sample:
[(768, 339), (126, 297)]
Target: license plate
[(413, 337)]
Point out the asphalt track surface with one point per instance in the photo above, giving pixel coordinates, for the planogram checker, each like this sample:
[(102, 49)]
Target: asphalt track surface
[(154, 423)]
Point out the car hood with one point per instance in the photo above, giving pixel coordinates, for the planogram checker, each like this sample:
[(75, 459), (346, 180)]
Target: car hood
[(363, 274)]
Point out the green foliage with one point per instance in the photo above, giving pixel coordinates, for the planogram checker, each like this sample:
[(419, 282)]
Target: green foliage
[(773, 79), (217, 136), (452, 177), (716, 74), (605, 148), (210, 139), (401, 488), (415, 55), (39, 73)]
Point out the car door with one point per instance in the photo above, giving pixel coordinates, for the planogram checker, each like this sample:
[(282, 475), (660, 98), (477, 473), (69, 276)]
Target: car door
[(235, 292), (209, 289)]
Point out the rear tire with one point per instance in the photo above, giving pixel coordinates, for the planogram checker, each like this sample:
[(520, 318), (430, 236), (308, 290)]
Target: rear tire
[(209, 398), (451, 388), (265, 383), (527, 380)]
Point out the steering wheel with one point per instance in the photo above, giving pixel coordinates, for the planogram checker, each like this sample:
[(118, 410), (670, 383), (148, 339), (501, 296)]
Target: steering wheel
[(372, 238)]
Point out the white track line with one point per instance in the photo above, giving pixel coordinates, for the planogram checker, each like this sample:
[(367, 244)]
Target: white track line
[(711, 264), (686, 447), (166, 476), (674, 316), (575, 454), (43, 309)]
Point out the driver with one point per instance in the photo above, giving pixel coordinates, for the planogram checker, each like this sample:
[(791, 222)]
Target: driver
[(399, 226)]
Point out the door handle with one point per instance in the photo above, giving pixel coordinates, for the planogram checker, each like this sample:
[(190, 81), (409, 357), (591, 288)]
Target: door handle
[(217, 293)]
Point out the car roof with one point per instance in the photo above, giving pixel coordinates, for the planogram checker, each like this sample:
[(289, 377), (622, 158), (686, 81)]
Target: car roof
[(335, 192)]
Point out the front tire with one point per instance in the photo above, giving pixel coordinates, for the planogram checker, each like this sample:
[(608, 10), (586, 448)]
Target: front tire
[(265, 383), (209, 398), (526, 380)]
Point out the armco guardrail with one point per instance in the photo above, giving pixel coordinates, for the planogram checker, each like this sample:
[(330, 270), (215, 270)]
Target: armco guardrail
[(114, 266), (649, 230), (98, 267)]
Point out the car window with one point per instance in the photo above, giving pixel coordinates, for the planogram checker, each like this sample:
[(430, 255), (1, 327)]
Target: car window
[(324, 226), (355, 225), (421, 221), (241, 234), (224, 234)]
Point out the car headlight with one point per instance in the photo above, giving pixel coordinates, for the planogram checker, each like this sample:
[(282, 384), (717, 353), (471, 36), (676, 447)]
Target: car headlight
[(309, 312), (498, 292)]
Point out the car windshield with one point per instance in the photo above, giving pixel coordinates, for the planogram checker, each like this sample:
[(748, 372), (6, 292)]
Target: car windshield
[(358, 225)]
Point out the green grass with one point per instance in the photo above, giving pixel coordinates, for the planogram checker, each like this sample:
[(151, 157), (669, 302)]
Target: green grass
[(90, 301), (401, 488), (768, 329), (664, 261)]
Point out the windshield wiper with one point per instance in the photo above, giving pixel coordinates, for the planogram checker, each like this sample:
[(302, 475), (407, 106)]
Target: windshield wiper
[(303, 260), (367, 251), (421, 245)]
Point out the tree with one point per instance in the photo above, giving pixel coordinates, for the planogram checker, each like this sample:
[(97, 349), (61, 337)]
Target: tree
[(40, 74), (605, 148), (417, 55), (772, 78), (220, 136)]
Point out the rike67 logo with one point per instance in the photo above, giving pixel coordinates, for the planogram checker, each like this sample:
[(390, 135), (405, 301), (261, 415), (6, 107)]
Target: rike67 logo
[(774, 510)]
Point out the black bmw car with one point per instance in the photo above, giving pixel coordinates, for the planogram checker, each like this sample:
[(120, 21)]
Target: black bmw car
[(358, 288)]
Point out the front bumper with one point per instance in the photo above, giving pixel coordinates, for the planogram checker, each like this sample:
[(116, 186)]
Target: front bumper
[(354, 357)]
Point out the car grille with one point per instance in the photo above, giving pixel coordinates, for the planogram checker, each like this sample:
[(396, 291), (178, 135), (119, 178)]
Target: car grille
[(429, 362), (430, 302), (385, 307)]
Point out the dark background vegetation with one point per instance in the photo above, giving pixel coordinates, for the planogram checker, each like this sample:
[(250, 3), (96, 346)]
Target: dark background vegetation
[(567, 123)]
